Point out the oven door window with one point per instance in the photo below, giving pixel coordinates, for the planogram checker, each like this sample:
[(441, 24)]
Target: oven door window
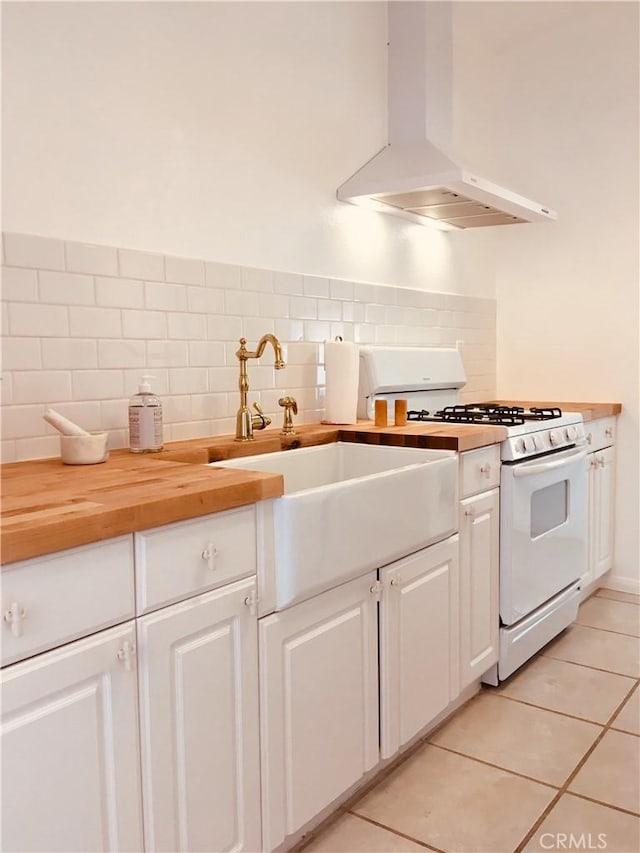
[(549, 508)]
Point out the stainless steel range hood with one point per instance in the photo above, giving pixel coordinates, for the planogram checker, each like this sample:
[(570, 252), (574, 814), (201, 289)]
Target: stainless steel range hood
[(413, 177)]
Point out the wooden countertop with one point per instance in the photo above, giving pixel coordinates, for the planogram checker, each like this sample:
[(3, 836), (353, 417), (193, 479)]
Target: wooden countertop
[(48, 506)]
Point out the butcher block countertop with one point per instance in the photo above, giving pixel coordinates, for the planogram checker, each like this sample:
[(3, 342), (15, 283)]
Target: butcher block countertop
[(48, 506)]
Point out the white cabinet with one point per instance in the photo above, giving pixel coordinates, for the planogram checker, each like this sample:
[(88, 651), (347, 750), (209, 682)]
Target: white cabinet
[(418, 642), (319, 703), (70, 769), (479, 595), (600, 435), (479, 525), (198, 679)]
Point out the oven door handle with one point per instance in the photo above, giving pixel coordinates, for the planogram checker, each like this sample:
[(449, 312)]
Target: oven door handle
[(540, 467)]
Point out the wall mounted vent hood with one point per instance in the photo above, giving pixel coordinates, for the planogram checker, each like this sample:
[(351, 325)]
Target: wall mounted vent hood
[(413, 177)]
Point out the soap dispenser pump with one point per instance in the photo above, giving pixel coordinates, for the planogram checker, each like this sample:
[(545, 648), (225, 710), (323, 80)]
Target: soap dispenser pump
[(145, 419)]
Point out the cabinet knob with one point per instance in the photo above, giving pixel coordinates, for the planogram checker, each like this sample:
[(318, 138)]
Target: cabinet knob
[(486, 469), (609, 432), (469, 512), (209, 555), (396, 580), (14, 617), (601, 462), (127, 654), (251, 602)]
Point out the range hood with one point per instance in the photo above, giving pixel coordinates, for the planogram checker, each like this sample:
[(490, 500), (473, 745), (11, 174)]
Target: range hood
[(414, 176)]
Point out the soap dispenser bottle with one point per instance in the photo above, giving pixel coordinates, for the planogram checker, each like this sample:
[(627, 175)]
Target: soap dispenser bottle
[(145, 419)]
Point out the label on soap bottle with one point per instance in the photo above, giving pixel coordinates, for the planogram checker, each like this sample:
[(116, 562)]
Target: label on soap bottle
[(145, 428)]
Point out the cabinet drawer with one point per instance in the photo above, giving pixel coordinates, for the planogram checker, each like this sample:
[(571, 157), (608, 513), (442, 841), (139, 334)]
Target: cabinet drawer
[(50, 600), (479, 470), (600, 433), (183, 559)]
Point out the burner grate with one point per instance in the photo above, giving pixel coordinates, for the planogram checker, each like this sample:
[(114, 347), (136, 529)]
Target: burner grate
[(486, 413)]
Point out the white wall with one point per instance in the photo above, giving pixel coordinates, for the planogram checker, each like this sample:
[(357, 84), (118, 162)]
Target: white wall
[(562, 112), (213, 130)]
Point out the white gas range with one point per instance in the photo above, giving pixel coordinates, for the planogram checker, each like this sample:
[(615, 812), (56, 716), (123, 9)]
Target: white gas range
[(543, 496)]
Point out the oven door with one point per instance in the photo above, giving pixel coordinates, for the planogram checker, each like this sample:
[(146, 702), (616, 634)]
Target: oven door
[(543, 530)]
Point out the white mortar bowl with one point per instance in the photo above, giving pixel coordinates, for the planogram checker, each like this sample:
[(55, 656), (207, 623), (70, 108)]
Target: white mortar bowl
[(84, 449)]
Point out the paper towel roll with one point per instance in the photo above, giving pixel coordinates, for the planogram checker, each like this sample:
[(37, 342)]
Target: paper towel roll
[(341, 364)]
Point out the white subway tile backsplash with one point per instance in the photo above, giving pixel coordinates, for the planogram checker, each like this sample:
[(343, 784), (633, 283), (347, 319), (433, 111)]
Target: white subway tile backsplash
[(316, 286), (317, 331), (121, 354), (289, 330), (144, 265), (241, 303), (273, 305), (19, 285), (303, 308), (69, 353), (37, 448), (341, 289), (223, 378), (97, 260), (41, 386), (8, 452), (188, 380), (32, 320), (119, 293), (95, 322), (258, 280), (59, 288), (253, 328), (288, 283), (114, 415), (221, 328), (80, 336), (329, 309), (21, 354), (206, 354), (165, 297), (206, 300), (97, 384), (223, 275), (40, 253), (184, 270), (167, 353), (23, 421), (144, 324), (187, 326)]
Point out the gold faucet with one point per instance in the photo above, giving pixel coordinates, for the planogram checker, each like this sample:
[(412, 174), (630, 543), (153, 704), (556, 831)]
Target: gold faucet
[(246, 422)]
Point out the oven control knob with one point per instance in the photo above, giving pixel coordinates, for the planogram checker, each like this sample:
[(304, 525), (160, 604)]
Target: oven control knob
[(556, 437), (529, 444), (520, 445), (572, 432)]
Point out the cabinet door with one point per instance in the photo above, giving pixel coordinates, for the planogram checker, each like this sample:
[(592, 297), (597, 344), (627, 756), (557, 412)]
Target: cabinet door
[(70, 754), (319, 703), (592, 547), (603, 506), (479, 596), (418, 642), (199, 722)]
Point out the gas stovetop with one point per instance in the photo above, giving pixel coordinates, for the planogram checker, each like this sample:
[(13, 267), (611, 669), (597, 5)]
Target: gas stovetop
[(530, 432), (485, 413)]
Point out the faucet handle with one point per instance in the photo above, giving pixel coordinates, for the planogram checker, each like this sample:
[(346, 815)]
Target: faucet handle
[(259, 421)]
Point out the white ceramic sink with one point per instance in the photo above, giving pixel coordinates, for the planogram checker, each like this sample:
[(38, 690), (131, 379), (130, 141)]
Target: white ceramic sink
[(348, 508)]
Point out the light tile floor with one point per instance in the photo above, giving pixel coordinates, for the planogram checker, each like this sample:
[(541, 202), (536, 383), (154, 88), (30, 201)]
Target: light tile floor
[(550, 760)]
